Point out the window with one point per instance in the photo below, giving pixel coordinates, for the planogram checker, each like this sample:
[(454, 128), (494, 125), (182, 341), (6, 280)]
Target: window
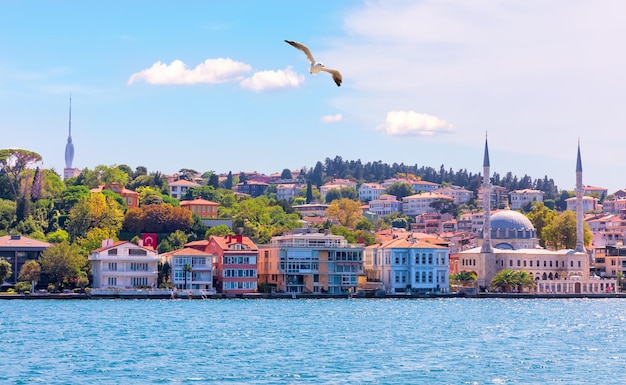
[(578, 263), (112, 266), (139, 266), (112, 252), (510, 262), (135, 252), (139, 281), (112, 281)]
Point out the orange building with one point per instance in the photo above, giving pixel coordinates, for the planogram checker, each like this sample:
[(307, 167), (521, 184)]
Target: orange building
[(201, 207)]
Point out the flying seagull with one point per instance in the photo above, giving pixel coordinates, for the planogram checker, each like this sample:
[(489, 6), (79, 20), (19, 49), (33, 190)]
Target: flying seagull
[(316, 67)]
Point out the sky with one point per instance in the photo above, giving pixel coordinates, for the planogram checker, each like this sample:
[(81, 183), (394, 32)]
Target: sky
[(212, 86)]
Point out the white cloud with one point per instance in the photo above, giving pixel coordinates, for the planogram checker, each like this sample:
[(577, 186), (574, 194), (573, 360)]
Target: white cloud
[(212, 71), (331, 118), (270, 80), (411, 123)]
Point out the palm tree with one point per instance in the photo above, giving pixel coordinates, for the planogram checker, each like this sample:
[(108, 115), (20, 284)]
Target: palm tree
[(524, 280), (504, 281), (187, 269), (464, 278)]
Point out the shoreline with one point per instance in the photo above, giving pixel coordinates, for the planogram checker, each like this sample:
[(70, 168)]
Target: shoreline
[(197, 296)]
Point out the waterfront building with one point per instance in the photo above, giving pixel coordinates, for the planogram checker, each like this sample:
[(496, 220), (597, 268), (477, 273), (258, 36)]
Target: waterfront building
[(312, 263), (407, 265), (190, 269), (201, 207), (235, 263), (179, 188), (17, 250), (124, 265), (520, 197), (129, 196), (516, 247)]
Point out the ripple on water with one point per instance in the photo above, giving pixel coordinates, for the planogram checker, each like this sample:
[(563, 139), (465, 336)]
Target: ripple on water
[(382, 341)]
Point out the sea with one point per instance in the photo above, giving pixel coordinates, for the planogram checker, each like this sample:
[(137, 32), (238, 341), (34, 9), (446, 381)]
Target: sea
[(313, 341)]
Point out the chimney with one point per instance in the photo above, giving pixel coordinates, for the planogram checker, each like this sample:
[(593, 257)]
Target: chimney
[(104, 243), (239, 238)]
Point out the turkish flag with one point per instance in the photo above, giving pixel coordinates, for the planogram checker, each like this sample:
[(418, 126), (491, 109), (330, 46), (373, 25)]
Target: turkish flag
[(149, 240)]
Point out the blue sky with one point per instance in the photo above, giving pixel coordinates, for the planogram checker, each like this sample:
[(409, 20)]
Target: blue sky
[(211, 85)]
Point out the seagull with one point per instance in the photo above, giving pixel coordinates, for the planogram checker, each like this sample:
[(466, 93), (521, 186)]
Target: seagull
[(316, 67)]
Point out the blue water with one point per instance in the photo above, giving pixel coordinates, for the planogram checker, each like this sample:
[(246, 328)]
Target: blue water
[(359, 341)]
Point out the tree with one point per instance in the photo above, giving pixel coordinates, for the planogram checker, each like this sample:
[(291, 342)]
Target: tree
[(541, 216), (62, 261), (7, 214), (228, 184), (30, 272), (332, 195), (309, 192), (560, 233), (96, 210), (464, 278), (187, 174), (364, 224), (186, 269), (13, 162), (345, 211), (108, 175), (218, 230), (5, 270), (286, 174), (506, 280), (214, 181), (400, 190)]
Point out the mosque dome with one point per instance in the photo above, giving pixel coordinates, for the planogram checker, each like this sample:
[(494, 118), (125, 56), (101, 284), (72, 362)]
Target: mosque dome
[(510, 220)]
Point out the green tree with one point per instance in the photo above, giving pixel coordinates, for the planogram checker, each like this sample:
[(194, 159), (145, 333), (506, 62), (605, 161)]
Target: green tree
[(560, 233), (364, 224), (62, 261), (286, 174), (96, 210), (228, 184), (540, 216), (400, 190), (464, 278), (30, 272), (58, 236), (214, 181), (5, 270), (187, 174), (111, 174), (506, 280), (218, 230), (7, 214), (187, 270), (332, 195), (309, 192), (13, 163)]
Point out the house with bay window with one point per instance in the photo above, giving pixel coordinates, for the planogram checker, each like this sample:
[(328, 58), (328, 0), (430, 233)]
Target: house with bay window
[(190, 269), (235, 262), (123, 265)]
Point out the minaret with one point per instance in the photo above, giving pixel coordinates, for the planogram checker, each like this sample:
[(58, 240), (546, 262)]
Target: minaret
[(69, 147), (579, 190), (486, 247)]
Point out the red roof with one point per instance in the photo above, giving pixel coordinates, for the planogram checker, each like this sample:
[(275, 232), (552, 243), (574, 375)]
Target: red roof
[(198, 202)]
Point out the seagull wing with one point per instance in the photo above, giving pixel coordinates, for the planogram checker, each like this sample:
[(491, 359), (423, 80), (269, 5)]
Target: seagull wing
[(302, 48), (336, 75)]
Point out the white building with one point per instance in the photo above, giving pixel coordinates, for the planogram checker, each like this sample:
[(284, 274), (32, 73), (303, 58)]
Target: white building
[(420, 203), (336, 184), (407, 264), (123, 265), (385, 205), (520, 197), (200, 274), (180, 187), (370, 191), (459, 194), (589, 204), (287, 191)]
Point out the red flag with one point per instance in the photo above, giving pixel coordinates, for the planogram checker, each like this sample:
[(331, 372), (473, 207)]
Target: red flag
[(149, 240)]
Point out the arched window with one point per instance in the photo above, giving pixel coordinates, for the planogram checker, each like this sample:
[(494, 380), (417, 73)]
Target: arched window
[(544, 276)]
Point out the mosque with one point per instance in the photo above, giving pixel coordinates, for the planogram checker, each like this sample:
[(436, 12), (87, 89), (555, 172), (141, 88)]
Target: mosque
[(509, 240)]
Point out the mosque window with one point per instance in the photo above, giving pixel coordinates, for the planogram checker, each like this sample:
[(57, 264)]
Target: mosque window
[(578, 263), (524, 263), (519, 263), (510, 262)]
